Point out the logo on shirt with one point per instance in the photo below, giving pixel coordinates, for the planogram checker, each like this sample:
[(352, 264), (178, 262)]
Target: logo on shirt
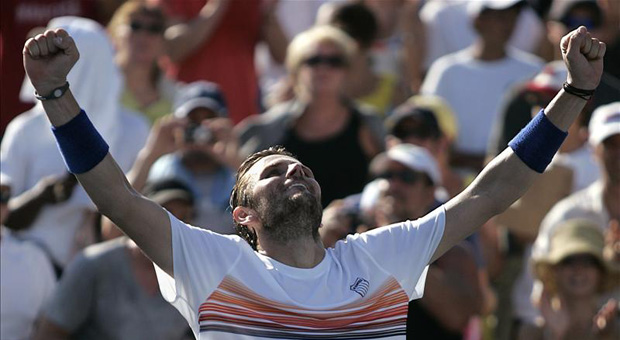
[(360, 286)]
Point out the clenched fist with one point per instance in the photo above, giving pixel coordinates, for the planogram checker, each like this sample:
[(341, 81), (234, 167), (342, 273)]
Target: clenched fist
[(48, 58), (583, 56)]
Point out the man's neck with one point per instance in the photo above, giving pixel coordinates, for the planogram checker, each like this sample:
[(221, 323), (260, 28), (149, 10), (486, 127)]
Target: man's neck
[(303, 252), (487, 51)]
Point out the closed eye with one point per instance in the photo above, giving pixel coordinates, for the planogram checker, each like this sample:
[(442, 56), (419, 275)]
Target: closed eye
[(272, 171)]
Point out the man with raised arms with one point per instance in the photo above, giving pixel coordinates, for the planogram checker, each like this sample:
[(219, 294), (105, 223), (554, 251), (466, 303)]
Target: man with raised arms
[(282, 283)]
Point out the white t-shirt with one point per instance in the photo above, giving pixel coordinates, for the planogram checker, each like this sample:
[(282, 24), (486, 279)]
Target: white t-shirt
[(449, 29), (474, 89), (361, 288), (27, 281), (29, 153), (585, 168)]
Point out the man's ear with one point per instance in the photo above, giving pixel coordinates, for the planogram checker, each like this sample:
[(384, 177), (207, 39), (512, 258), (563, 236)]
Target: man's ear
[(245, 216)]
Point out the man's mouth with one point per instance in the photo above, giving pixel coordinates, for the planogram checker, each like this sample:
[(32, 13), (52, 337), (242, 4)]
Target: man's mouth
[(298, 185)]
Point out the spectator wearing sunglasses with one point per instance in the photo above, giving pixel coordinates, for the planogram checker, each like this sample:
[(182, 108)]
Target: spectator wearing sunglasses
[(27, 279), (137, 32), (408, 177), (326, 130)]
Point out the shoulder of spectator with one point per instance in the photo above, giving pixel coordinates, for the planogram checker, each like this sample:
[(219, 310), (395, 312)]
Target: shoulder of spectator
[(96, 253), (371, 119), (526, 57), (24, 120), (276, 119)]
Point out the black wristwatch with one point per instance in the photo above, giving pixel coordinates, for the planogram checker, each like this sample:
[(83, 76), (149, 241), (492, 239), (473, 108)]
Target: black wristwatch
[(56, 93)]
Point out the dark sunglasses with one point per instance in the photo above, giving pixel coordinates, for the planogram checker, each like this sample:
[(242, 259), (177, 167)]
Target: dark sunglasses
[(581, 260), (5, 195), (334, 61), (152, 28), (405, 176)]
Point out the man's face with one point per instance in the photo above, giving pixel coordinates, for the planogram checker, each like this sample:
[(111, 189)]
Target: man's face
[(608, 153), (407, 195), (285, 196), (496, 26), (323, 71)]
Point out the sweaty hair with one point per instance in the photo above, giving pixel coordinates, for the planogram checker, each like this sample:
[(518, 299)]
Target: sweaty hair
[(239, 195)]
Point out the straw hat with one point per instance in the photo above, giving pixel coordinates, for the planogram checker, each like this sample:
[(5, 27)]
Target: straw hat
[(573, 237)]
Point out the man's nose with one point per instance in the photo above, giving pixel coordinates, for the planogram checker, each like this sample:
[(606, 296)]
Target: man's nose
[(294, 170)]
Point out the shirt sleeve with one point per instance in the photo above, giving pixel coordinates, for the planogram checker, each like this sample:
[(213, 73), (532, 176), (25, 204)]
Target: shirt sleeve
[(201, 259), (405, 249)]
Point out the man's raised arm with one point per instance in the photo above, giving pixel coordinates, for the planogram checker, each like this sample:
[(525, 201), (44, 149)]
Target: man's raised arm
[(510, 174), (48, 58)]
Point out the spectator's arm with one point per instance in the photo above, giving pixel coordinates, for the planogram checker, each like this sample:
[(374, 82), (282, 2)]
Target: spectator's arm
[(25, 208), (48, 330), (273, 34), (184, 38), (452, 295), (507, 177), (414, 46), (48, 58), (161, 141)]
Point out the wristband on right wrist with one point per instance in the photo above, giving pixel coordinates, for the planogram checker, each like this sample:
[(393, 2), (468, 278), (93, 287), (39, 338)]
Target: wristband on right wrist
[(583, 94)]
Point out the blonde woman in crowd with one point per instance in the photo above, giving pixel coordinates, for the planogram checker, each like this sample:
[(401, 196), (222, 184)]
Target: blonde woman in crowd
[(321, 125), (137, 32)]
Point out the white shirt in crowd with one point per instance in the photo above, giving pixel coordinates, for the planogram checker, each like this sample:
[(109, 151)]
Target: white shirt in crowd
[(449, 29), (474, 89), (27, 281)]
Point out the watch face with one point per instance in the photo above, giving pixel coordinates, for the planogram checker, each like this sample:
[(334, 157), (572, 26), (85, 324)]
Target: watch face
[(57, 93)]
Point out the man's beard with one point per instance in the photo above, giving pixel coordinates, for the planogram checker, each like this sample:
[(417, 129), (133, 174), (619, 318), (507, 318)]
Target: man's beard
[(287, 218)]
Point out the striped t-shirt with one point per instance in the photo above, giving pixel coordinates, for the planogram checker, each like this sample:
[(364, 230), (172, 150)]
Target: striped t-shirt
[(360, 289)]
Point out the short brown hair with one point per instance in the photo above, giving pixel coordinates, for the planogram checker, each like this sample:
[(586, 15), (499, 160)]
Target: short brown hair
[(239, 196)]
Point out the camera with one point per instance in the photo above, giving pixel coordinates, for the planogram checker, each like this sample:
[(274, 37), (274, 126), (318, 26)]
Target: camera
[(197, 134)]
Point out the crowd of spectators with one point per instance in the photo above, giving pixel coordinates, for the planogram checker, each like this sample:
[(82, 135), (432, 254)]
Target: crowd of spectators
[(395, 105)]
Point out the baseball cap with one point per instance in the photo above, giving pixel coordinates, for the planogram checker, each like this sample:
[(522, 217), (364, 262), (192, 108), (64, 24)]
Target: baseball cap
[(605, 122), (200, 94), (166, 190), (561, 10), (474, 8), (442, 111), (409, 120), (416, 158)]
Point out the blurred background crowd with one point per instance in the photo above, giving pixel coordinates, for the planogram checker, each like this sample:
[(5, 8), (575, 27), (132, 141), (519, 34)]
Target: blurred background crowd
[(396, 106)]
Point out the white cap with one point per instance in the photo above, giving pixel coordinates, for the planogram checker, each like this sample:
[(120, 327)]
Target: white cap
[(605, 122), (475, 7), (416, 158)]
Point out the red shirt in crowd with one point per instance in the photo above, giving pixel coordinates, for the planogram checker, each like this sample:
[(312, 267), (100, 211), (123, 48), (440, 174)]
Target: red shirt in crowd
[(227, 56)]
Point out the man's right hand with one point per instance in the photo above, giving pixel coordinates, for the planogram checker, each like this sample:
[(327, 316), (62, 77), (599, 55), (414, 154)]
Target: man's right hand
[(48, 58)]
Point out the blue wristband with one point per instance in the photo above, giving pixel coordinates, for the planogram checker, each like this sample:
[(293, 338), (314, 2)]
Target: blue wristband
[(80, 144), (538, 142)]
